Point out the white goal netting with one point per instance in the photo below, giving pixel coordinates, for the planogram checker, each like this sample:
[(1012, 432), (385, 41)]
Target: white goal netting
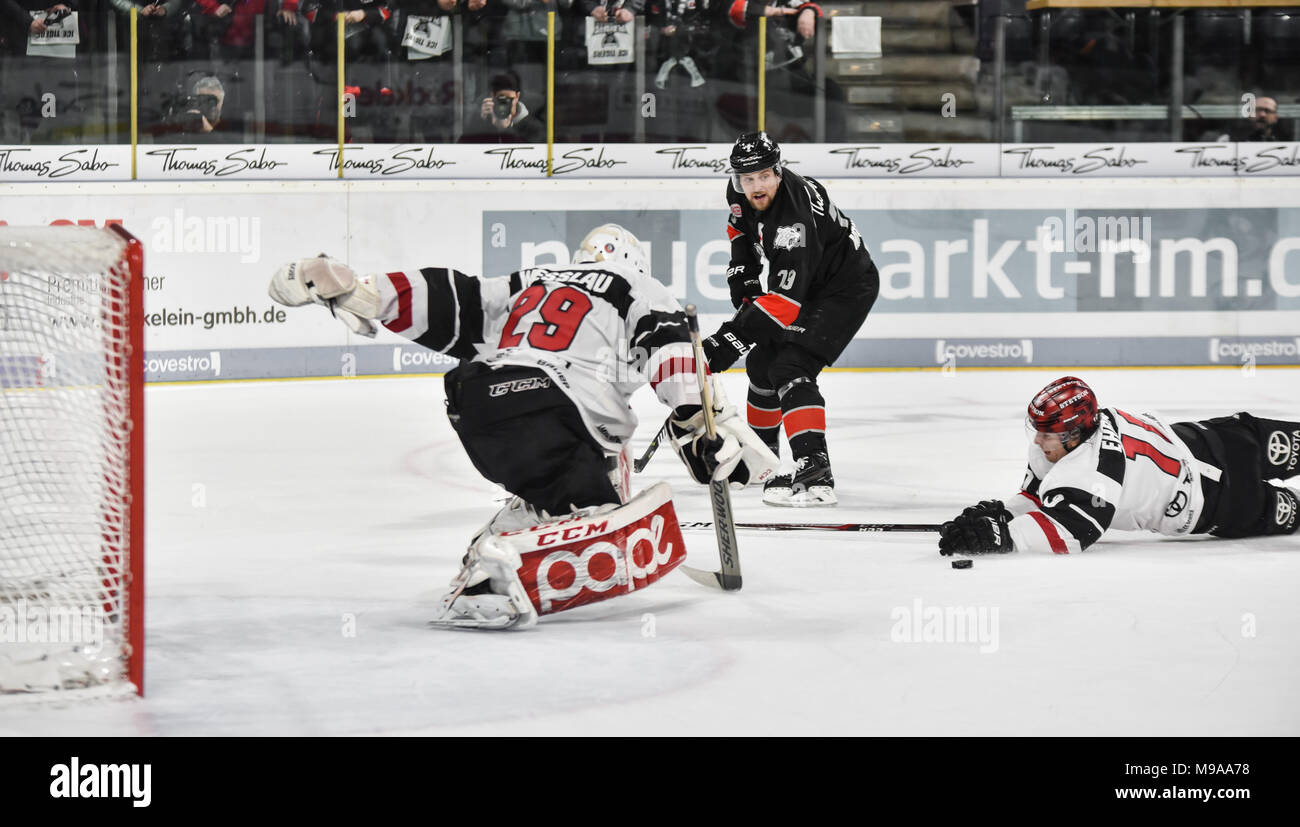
[(71, 435)]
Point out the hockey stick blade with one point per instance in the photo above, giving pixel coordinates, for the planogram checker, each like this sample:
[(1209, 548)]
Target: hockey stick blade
[(860, 527), (712, 579)]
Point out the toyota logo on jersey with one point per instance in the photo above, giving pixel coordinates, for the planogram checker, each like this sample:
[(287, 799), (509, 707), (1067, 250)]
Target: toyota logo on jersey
[(1283, 449), (1285, 515), (1176, 505), (1279, 448)]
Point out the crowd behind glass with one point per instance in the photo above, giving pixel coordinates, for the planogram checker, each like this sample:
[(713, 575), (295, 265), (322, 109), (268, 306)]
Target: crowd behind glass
[(447, 71)]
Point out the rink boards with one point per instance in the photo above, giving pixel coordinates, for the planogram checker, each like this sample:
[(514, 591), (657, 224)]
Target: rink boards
[(974, 273)]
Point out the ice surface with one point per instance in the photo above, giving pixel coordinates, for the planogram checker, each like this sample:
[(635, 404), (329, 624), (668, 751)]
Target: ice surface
[(299, 534)]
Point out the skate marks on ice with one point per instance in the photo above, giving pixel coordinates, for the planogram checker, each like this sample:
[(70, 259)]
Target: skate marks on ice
[(293, 600)]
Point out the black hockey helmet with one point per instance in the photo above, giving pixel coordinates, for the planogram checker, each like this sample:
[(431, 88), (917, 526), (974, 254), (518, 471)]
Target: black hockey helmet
[(752, 152)]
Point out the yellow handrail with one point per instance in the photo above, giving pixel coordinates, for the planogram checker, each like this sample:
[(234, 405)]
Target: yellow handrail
[(342, 96), (550, 93), (135, 88), (762, 74)]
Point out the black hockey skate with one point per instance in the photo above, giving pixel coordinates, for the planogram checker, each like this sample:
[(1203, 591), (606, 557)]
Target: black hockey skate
[(811, 484)]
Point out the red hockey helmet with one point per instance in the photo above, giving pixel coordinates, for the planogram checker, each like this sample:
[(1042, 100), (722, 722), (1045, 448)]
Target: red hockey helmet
[(1066, 406)]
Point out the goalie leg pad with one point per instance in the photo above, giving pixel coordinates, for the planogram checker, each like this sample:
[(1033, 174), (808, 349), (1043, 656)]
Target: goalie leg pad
[(583, 560)]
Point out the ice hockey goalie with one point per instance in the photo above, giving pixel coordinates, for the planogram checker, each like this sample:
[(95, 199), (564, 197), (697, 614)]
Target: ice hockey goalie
[(549, 358)]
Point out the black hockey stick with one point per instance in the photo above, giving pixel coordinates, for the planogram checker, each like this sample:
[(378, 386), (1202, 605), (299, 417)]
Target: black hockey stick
[(862, 527), (639, 465), (728, 579)]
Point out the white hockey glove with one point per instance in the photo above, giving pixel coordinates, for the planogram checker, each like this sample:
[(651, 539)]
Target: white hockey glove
[(352, 299), (736, 454)]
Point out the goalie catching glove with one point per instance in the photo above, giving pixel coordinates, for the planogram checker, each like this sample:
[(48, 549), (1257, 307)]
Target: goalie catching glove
[(353, 300), (980, 529), (735, 453)]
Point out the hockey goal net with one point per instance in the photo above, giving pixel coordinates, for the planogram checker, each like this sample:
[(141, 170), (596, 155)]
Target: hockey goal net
[(71, 461)]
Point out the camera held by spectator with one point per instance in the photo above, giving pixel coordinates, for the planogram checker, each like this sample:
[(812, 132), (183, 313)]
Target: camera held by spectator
[(505, 111), (200, 111)]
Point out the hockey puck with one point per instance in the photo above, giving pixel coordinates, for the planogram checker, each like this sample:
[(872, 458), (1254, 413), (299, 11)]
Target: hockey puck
[(962, 564)]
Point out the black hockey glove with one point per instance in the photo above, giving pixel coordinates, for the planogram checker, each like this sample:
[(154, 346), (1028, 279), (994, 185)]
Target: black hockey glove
[(980, 529), (698, 452), (723, 348), (743, 287)]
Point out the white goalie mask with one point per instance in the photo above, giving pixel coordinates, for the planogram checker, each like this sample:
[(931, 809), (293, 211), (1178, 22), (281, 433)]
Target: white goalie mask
[(612, 243)]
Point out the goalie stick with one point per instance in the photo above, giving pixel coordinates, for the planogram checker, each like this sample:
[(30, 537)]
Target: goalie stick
[(728, 578), (862, 527)]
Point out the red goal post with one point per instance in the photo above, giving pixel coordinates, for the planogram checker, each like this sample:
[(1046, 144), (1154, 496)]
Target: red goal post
[(71, 461)]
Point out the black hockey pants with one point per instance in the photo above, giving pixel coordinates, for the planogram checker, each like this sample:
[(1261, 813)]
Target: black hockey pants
[(1248, 451), (526, 435)]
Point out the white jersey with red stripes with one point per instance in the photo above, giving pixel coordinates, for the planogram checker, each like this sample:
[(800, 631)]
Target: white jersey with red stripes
[(599, 330), (1133, 473)]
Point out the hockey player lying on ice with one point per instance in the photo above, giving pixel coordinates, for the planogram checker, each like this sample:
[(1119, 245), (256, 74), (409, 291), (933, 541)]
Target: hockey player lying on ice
[(1092, 469), (550, 357)]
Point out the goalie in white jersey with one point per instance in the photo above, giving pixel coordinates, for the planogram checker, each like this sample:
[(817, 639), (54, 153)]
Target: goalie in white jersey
[(550, 357), (1093, 469)]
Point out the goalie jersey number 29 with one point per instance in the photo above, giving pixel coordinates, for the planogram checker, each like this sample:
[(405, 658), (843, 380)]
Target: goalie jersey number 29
[(599, 330)]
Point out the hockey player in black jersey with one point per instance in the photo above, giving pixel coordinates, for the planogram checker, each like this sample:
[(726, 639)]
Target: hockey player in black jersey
[(550, 357), (1092, 469), (821, 283)]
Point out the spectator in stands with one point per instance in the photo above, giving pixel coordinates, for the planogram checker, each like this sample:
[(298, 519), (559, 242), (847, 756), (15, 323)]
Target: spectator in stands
[(524, 34), (685, 39), (686, 32), (791, 39), (616, 11), (161, 35), (198, 116), (17, 21), (159, 27), (604, 90), (25, 78), (485, 47), (1264, 126), (504, 118), (369, 42), (424, 92), (365, 37), (791, 27), (227, 26)]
